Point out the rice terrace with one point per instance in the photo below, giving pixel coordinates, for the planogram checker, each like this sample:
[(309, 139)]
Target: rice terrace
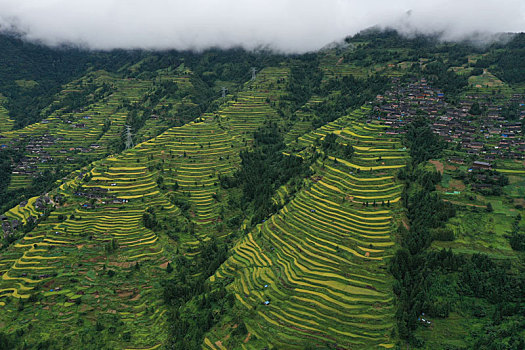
[(365, 195)]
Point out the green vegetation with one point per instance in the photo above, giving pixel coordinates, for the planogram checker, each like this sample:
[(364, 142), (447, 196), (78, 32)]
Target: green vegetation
[(443, 78), (435, 284), (144, 210), (264, 170), (194, 303), (422, 142), (330, 146), (351, 93), (426, 212)]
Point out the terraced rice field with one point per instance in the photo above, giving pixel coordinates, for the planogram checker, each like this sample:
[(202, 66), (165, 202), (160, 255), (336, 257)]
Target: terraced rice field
[(23, 212), (19, 181), (67, 257), (195, 155), (67, 260), (79, 135), (335, 66), (319, 263), (6, 123), (303, 120), (315, 272)]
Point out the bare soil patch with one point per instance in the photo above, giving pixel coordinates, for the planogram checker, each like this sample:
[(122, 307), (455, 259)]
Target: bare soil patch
[(125, 294), (439, 166), (519, 201), (247, 338), (405, 223), (164, 265)]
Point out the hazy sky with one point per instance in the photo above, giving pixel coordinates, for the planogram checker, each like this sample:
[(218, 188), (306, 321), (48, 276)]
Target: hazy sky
[(287, 25)]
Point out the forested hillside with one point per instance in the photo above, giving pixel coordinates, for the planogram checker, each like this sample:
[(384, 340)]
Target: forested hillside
[(365, 196)]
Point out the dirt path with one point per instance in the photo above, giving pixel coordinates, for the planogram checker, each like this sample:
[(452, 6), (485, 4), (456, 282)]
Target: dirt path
[(247, 338), (405, 223)]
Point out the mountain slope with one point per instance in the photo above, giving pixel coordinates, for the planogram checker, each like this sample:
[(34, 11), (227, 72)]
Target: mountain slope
[(314, 273), (146, 211), (93, 259)]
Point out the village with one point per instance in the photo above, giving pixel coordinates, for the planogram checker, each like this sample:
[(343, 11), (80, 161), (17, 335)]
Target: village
[(486, 137), (44, 151)]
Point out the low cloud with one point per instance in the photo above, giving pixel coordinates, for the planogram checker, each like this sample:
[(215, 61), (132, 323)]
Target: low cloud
[(283, 25)]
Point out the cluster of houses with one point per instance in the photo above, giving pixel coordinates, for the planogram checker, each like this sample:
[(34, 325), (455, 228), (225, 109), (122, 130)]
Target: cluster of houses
[(485, 180), (489, 135), (93, 193), (9, 226), (36, 152), (397, 106), (43, 149), (98, 193), (42, 202), (40, 150)]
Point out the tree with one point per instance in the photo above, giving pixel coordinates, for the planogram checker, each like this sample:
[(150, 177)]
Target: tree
[(422, 142), (511, 112), (475, 109)]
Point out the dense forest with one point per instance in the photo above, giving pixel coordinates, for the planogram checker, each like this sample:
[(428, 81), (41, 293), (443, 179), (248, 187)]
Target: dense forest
[(354, 92), (263, 171)]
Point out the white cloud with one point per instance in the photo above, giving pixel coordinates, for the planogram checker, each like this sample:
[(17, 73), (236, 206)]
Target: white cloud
[(286, 25)]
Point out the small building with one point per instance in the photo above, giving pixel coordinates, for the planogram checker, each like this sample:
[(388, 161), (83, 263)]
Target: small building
[(481, 165)]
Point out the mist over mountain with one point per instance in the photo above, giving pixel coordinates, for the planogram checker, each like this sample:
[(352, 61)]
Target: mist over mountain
[(283, 25)]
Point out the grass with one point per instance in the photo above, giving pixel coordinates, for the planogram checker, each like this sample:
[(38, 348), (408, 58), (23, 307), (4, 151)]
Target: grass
[(475, 229)]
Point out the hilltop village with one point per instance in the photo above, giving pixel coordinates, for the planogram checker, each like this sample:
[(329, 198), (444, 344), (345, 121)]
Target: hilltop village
[(476, 124)]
